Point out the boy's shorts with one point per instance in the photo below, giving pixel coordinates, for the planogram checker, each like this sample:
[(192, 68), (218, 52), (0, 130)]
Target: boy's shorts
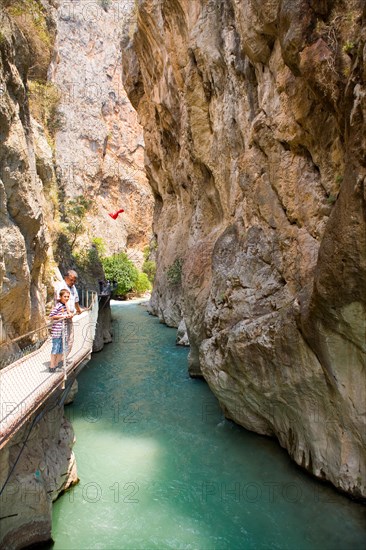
[(57, 346)]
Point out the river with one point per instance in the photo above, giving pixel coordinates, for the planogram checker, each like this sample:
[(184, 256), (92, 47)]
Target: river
[(161, 468)]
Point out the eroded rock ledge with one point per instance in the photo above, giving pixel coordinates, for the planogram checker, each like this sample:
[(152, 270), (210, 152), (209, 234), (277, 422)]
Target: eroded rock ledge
[(254, 120)]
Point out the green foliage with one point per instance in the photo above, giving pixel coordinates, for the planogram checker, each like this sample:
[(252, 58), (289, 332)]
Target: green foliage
[(174, 272), (75, 212), (105, 4), (149, 267), (348, 46), (82, 259), (331, 199), (87, 263), (44, 99), (85, 258), (146, 252), (119, 268), (142, 284), (31, 18), (222, 298), (150, 249), (61, 250), (339, 179), (100, 246)]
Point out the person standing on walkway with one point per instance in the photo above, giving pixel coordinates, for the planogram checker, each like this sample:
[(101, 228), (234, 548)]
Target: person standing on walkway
[(59, 315), (68, 283)]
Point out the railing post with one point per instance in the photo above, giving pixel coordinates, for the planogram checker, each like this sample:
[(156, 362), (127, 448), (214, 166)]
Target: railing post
[(87, 299), (64, 352)]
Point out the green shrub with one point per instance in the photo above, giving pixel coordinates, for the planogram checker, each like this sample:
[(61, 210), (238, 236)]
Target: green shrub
[(105, 4), (44, 99), (75, 212), (146, 252), (100, 246), (88, 264), (142, 284), (348, 47), (174, 273), (331, 199), (150, 250), (31, 18), (119, 268), (339, 179), (149, 267)]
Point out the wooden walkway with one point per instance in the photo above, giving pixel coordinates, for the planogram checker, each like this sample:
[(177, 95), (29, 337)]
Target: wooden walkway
[(27, 383)]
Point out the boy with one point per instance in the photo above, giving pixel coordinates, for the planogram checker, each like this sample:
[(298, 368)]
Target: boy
[(59, 313)]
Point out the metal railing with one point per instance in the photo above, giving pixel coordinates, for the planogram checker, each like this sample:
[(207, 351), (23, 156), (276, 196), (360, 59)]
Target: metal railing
[(14, 348), (86, 296), (25, 380)]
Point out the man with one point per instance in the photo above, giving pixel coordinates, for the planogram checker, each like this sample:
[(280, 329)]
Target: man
[(68, 283)]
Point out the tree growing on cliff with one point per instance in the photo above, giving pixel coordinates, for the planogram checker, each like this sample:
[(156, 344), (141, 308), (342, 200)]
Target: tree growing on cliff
[(149, 268), (149, 265), (75, 212), (174, 272)]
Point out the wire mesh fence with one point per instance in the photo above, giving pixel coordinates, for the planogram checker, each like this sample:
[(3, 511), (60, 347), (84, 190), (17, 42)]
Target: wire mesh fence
[(26, 379), (16, 347)]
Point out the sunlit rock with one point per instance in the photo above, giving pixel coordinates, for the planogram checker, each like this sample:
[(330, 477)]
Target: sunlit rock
[(254, 121)]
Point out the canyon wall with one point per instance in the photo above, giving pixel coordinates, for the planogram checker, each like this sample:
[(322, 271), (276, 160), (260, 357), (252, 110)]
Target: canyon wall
[(67, 129), (44, 467), (100, 147), (26, 175), (254, 125)]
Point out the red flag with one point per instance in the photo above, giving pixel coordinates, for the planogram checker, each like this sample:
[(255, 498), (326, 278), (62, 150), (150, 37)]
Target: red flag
[(114, 216)]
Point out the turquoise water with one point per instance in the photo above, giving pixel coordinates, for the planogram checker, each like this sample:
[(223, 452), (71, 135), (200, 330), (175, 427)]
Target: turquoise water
[(160, 467)]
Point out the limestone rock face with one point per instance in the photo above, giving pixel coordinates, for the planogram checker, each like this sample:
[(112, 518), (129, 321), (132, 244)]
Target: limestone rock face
[(182, 336), (25, 169), (45, 468), (104, 331), (100, 149), (254, 120)]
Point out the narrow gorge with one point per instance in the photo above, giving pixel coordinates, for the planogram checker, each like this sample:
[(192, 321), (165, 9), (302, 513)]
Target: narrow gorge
[(232, 134)]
